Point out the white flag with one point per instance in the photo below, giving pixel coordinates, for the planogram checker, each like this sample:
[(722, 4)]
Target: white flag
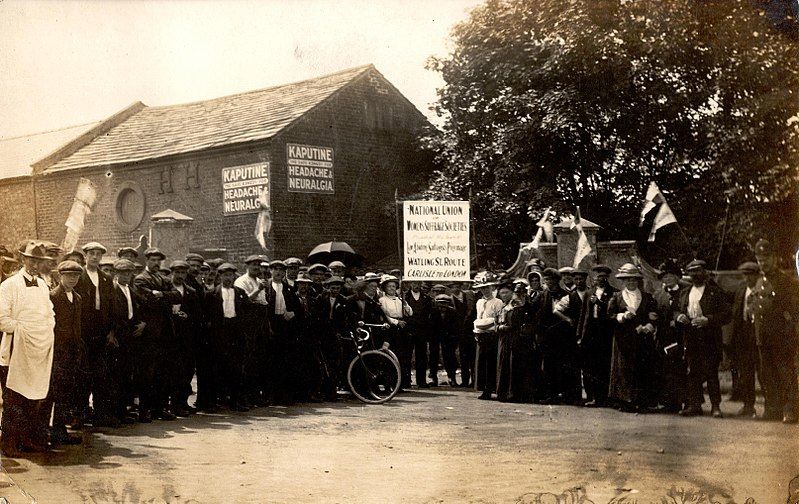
[(264, 221), (85, 198), (583, 245), (656, 202), (544, 227)]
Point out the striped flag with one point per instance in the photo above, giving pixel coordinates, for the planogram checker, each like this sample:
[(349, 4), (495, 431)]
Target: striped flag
[(656, 211), (583, 245), (544, 228)]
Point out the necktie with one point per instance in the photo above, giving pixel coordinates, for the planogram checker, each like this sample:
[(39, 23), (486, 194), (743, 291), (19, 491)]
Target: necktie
[(31, 283)]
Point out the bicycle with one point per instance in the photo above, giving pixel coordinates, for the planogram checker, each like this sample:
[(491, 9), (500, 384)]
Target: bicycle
[(373, 375)]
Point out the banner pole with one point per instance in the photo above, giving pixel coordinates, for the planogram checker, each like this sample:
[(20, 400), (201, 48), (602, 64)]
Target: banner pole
[(723, 233), (399, 209), (472, 232)]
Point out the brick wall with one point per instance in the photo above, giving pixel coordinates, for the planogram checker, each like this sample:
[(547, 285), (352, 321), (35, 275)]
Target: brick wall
[(16, 211), (372, 130)]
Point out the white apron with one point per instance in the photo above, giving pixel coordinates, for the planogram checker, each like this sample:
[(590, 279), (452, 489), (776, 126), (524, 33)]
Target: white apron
[(32, 355)]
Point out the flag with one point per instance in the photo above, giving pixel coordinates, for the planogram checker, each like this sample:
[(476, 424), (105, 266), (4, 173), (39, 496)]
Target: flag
[(85, 198), (583, 245), (656, 210), (544, 227), (264, 221)]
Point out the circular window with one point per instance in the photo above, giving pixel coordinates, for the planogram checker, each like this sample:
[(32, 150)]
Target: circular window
[(129, 206)]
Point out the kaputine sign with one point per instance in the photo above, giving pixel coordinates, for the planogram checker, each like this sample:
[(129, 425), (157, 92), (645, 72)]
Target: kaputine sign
[(242, 186), (309, 168)]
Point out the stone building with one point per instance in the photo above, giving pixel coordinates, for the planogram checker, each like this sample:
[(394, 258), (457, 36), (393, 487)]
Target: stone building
[(330, 152)]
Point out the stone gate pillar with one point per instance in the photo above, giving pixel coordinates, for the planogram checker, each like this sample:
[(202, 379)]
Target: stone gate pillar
[(567, 240), (170, 231)]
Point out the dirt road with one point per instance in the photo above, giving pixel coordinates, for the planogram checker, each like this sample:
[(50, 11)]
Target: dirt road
[(441, 445)]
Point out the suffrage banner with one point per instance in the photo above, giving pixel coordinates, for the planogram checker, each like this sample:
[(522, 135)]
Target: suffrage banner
[(436, 240), (309, 168), (242, 187)]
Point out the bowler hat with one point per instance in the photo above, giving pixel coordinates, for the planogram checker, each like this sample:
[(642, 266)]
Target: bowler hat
[(69, 267), (127, 250), (94, 246), (601, 268), (124, 265), (226, 267), (153, 251), (178, 264), (749, 267), (628, 271), (35, 250)]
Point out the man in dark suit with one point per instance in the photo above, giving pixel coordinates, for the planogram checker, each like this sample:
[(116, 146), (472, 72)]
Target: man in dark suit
[(284, 311), (743, 345), (226, 307), (203, 353), (127, 330), (157, 297), (595, 338), (67, 351), (464, 300), (96, 291), (328, 321), (702, 311), (551, 330), (418, 328), (775, 313), (570, 309), (185, 320)]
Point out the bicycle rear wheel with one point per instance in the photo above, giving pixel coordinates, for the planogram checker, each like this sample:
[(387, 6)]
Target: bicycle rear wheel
[(374, 377)]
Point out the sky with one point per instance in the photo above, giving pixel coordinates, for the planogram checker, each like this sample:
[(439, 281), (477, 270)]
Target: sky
[(64, 63)]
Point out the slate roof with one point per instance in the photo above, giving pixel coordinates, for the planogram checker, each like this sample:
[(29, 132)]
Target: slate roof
[(18, 153), (155, 132)]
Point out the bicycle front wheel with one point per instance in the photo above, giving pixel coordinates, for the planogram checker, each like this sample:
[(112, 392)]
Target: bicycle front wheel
[(374, 377)]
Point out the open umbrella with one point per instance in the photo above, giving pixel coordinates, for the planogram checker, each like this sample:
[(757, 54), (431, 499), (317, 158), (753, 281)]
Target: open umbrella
[(328, 252)]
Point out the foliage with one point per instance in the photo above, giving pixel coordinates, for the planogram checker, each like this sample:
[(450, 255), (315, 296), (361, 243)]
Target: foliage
[(584, 102)]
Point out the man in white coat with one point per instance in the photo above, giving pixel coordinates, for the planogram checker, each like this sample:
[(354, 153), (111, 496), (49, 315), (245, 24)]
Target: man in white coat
[(27, 319)]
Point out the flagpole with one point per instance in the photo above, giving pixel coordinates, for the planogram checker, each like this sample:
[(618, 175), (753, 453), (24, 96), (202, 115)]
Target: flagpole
[(723, 233), (472, 231), (399, 208)]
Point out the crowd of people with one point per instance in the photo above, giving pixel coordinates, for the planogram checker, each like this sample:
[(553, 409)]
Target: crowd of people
[(93, 341)]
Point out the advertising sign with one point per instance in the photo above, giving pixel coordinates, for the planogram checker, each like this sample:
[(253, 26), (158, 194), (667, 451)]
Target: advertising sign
[(309, 168), (436, 240), (242, 186)]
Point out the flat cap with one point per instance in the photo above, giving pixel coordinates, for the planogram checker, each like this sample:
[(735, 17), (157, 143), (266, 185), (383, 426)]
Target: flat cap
[(193, 256), (318, 267), (153, 251), (165, 271), (602, 268), (127, 250), (696, 264), (178, 264), (303, 279), (215, 262), (124, 265), (277, 263), (226, 267), (107, 261), (336, 264), (69, 267), (75, 253), (438, 287), (293, 261), (749, 267), (253, 259), (443, 298), (205, 266), (334, 280), (94, 246), (763, 247)]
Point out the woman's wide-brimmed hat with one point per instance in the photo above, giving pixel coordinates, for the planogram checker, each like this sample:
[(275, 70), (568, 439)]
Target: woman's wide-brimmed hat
[(628, 271)]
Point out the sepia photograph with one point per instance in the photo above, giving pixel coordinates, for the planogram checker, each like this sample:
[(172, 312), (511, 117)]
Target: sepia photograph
[(399, 251)]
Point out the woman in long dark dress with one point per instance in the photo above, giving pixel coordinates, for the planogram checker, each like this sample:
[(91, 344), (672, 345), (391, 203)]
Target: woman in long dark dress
[(634, 313), (515, 373)]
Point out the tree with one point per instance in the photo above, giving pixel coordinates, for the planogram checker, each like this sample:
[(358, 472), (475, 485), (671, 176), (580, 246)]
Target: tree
[(584, 102)]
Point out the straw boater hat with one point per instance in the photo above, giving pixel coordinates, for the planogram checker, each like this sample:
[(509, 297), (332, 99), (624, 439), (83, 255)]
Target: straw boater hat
[(388, 278), (628, 271), (371, 277), (484, 324)]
